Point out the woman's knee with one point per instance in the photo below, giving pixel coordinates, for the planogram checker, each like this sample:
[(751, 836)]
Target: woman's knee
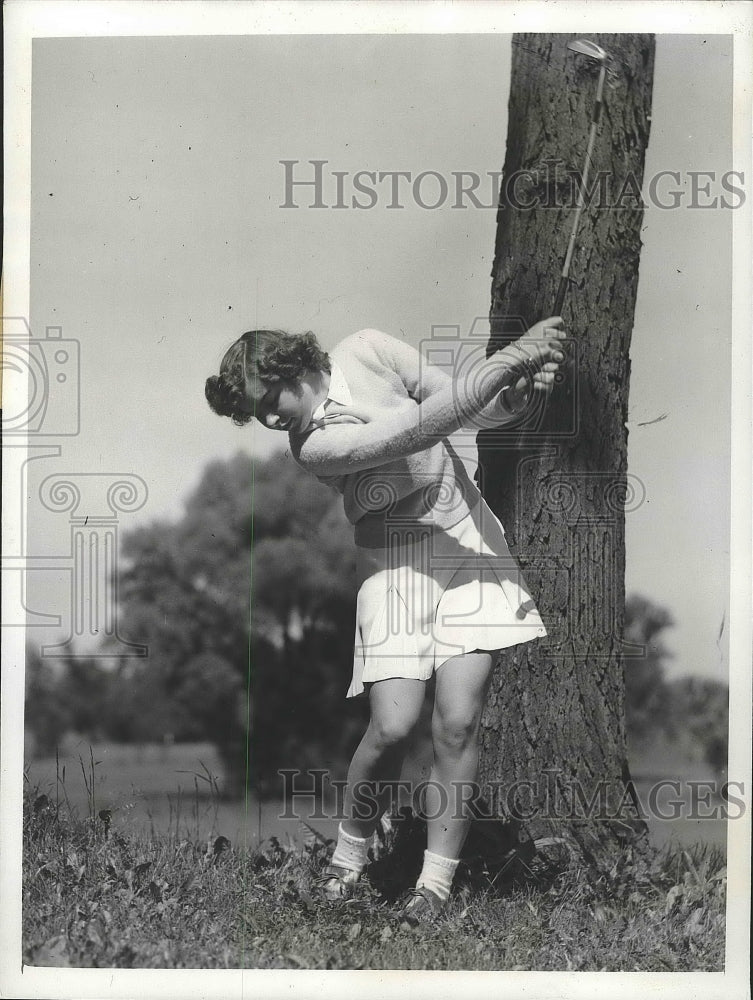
[(389, 732), (456, 730), (396, 705)]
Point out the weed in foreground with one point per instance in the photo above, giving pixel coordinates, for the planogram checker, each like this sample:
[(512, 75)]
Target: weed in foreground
[(94, 897)]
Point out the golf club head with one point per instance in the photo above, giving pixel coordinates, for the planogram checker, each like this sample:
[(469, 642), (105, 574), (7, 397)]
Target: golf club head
[(588, 48)]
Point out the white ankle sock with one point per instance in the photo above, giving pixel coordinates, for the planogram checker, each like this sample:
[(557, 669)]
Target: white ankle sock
[(437, 874), (351, 852)]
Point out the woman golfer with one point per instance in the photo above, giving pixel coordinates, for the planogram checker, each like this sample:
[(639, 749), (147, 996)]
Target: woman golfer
[(438, 593)]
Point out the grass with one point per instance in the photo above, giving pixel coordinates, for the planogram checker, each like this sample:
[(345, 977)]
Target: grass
[(152, 790), (568, 926), (95, 896)]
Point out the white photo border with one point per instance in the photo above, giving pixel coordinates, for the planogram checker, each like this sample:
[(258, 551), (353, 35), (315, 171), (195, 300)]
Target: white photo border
[(29, 19)]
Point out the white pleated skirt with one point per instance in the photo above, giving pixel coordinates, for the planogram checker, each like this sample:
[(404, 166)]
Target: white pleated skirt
[(433, 594)]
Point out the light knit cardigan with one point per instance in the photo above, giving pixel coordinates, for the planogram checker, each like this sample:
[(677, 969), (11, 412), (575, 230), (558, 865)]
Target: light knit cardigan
[(386, 450)]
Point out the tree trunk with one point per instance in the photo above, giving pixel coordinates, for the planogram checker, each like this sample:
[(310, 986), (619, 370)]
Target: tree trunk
[(555, 715)]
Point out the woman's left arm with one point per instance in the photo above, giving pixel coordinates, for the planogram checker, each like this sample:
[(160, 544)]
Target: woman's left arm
[(423, 379), (343, 449)]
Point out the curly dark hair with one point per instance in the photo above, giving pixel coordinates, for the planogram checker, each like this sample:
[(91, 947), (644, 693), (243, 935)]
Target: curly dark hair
[(269, 355)]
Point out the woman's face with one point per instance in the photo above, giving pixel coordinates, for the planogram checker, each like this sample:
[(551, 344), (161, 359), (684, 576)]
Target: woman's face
[(287, 405)]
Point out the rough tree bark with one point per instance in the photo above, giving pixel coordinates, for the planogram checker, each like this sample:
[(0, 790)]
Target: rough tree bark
[(555, 714)]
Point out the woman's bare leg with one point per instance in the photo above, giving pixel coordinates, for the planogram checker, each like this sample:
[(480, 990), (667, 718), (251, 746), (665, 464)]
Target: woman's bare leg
[(461, 686), (419, 753), (395, 708)]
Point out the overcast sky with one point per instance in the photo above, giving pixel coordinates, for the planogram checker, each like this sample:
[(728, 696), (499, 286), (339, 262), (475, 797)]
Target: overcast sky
[(157, 238)]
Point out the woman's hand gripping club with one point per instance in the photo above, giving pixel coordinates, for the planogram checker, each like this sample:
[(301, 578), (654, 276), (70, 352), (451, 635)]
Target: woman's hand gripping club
[(538, 355)]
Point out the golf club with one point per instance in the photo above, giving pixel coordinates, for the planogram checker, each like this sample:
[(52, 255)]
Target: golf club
[(595, 52), (582, 46)]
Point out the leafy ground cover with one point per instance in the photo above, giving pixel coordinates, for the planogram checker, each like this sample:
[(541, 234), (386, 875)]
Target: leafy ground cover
[(96, 896)]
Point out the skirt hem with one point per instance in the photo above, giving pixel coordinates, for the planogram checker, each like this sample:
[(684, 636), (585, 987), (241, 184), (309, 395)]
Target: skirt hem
[(358, 685)]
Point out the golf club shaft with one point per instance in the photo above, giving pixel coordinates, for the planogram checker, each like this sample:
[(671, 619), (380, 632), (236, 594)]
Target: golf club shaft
[(584, 47), (564, 279)]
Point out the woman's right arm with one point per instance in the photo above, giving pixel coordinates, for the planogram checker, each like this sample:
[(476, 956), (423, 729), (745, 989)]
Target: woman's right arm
[(341, 449)]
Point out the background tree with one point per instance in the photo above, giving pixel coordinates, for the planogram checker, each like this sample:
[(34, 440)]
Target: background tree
[(647, 696), (47, 716), (698, 720), (557, 706), (690, 713), (247, 606)]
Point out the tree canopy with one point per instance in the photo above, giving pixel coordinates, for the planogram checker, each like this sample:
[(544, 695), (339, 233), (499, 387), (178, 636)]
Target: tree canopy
[(247, 606)]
